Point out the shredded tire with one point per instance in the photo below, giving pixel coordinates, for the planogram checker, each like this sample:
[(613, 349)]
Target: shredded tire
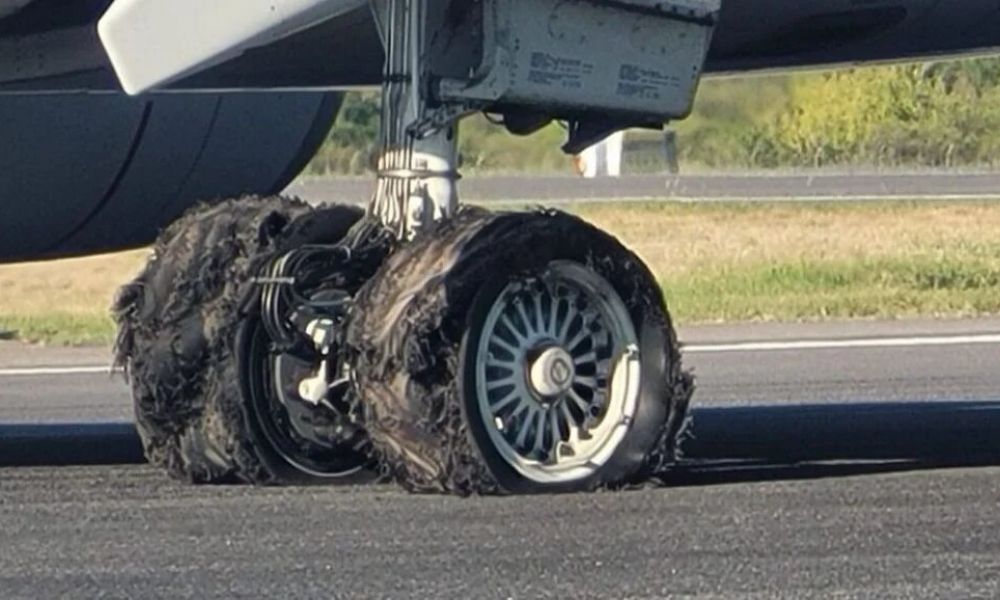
[(405, 345), (178, 324)]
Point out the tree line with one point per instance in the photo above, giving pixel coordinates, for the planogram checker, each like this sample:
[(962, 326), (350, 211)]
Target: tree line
[(940, 114)]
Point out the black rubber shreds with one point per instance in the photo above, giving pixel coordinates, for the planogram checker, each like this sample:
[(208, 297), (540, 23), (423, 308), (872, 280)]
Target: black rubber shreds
[(406, 332), (177, 328)]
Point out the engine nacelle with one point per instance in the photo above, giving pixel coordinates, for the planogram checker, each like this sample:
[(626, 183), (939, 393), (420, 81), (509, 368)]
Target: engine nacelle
[(89, 173)]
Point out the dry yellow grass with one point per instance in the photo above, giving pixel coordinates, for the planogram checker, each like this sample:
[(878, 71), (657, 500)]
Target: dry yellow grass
[(64, 301), (716, 261), (678, 239), (75, 285)]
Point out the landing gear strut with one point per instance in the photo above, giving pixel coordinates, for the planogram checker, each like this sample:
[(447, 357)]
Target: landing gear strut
[(454, 349), (418, 159)]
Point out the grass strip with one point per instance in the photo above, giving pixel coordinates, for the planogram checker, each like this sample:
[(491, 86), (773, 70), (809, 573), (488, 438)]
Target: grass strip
[(717, 262)]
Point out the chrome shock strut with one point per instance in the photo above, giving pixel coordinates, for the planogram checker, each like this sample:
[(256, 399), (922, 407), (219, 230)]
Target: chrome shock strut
[(418, 154)]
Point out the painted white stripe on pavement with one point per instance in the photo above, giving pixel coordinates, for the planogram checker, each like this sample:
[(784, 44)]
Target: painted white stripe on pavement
[(860, 198), (887, 342), (802, 199), (43, 371)]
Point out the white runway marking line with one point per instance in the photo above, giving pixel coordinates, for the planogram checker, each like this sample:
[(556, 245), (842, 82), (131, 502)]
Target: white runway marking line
[(774, 346), (46, 371), (886, 342)]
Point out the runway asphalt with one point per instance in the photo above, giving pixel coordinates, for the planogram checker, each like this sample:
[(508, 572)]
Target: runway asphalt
[(556, 189), (851, 460)]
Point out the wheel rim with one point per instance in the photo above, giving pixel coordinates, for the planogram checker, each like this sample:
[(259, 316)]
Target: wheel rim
[(271, 418), (557, 373)]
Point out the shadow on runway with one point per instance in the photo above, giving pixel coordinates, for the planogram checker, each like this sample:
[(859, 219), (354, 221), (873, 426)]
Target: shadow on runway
[(730, 444), (765, 443), (23, 445)]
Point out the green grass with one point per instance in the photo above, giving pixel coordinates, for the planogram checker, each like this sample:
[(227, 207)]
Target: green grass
[(59, 329), (863, 288)]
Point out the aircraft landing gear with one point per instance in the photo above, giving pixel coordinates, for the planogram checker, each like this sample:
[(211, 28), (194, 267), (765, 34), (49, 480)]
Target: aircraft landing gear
[(519, 353), (456, 349)]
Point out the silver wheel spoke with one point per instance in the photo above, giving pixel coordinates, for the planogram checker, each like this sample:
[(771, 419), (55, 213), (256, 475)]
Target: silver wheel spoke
[(540, 431), (501, 383), (580, 403), (509, 366), (521, 337), (570, 421), (504, 345), (566, 324), (539, 317), (524, 427), (553, 316), (505, 401), (580, 337), (524, 318)]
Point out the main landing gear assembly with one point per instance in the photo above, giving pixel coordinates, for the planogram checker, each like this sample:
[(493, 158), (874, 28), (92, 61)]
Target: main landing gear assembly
[(450, 349)]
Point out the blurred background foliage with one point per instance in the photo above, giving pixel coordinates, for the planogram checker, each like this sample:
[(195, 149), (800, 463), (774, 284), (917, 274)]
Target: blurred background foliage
[(941, 114)]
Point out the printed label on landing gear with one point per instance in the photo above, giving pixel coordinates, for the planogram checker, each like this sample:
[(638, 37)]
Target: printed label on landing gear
[(550, 70), (635, 81)]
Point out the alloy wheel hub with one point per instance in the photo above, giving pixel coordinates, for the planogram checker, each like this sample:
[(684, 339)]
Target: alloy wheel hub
[(552, 372), (557, 373)]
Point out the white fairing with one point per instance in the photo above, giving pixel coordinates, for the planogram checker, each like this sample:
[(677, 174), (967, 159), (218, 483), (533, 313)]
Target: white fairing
[(154, 42), (603, 159)]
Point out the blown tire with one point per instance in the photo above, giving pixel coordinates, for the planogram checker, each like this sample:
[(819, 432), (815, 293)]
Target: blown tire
[(192, 345), (474, 346)]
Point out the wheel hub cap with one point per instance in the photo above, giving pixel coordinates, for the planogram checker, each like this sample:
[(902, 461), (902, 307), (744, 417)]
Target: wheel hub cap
[(552, 372)]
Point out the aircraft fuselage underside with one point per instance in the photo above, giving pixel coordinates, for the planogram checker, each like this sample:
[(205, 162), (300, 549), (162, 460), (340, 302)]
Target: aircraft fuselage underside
[(40, 51)]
